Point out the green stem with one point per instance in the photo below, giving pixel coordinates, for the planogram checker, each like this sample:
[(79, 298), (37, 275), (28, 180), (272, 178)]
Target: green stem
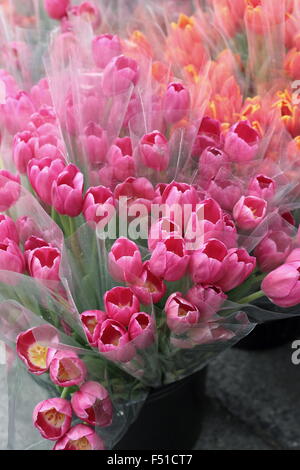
[(252, 297), (65, 392)]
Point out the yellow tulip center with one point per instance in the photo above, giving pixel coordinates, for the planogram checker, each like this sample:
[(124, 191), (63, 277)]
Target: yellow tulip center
[(38, 355)]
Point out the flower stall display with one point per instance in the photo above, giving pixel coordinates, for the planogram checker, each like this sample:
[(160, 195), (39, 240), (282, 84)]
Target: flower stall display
[(149, 201)]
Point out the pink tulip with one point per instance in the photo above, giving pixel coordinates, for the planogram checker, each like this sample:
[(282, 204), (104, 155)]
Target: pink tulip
[(210, 162), (120, 304), (93, 405), (105, 48), (11, 257), (92, 321), (154, 151), (17, 111), (237, 266), (207, 298), (8, 229), (282, 285), (125, 261), (23, 150), (80, 437), (149, 289), (181, 314), (226, 192), (114, 342), (9, 189), (179, 193), (42, 173), (119, 75), (52, 418), (41, 95), (262, 186), (273, 250), (120, 158), (56, 9), (88, 12), (95, 143), (141, 330), (161, 230), (27, 227), (136, 191), (169, 260), (67, 191), (241, 142), (176, 102), (66, 369), (249, 212), (44, 263), (209, 135), (36, 348), (207, 263), (98, 204)]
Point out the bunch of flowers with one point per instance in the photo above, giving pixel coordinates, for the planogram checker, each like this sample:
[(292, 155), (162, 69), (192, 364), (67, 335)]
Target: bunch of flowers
[(148, 198)]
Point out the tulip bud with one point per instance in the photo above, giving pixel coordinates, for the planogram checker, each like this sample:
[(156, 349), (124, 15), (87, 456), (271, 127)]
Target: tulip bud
[(210, 162), (35, 348), (119, 75), (52, 418), (176, 102), (44, 263), (8, 229), (141, 329), (9, 189), (181, 314), (169, 260), (249, 212), (92, 321), (148, 288), (67, 191), (262, 186), (207, 263), (282, 285), (56, 9), (93, 405), (237, 266), (80, 437), (120, 158), (42, 173), (114, 342), (95, 143), (11, 257), (66, 369), (98, 204), (154, 151), (161, 230), (27, 227), (120, 304), (207, 298), (273, 250), (105, 48), (23, 150), (125, 261), (241, 142), (209, 135)]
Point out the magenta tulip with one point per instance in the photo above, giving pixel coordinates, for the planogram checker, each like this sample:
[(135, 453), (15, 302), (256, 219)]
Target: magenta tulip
[(95, 143), (8, 229), (92, 404), (44, 263), (36, 348), (52, 418), (11, 257), (98, 205), (66, 369), (207, 298), (141, 330), (249, 212), (9, 189), (241, 142), (67, 189), (207, 263), (209, 135), (114, 342), (149, 288), (56, 9), (120, 304), (272, 251), (262, 186), (42, 173), (169, 259), (119, 75), (181, 314), (282, 285), (237, 266), (105, 48), (125, 261), (154, 151), (80, 437), (92, 321), (176, 102)]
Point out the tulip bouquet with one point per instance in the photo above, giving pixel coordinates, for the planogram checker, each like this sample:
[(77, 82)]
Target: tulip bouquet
[(148, 198)]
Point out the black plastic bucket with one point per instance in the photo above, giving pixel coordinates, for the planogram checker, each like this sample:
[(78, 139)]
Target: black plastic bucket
[(275, 333), (170, 418)]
